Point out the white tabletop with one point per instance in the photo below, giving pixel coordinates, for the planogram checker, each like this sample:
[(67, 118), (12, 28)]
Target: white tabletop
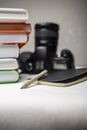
[(43, 107)]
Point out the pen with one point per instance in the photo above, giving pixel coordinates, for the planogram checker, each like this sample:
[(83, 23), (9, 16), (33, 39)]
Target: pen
[(35, 78)]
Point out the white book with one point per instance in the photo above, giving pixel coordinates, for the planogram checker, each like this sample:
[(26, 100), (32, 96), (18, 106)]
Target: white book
[(14, 37), (9, 76), (9, 50), (9, 70), (13, 15), (8, 64)]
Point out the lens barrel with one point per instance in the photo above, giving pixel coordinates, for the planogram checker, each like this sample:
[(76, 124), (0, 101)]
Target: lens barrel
[(46, 34)]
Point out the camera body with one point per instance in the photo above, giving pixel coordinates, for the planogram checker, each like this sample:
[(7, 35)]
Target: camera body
[(44, 56)]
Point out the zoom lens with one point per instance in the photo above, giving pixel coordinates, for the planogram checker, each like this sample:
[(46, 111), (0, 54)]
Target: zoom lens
[(46, 34)]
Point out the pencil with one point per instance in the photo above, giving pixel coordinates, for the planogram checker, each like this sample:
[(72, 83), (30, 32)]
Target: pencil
[(35, 78)]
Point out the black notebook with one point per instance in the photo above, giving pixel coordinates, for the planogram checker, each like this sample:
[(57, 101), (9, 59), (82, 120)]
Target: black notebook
[(64, 77)]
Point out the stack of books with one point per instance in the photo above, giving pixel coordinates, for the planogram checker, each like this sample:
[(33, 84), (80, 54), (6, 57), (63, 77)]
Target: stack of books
[(14, 33)]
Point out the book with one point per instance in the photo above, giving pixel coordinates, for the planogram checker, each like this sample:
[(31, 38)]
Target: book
[(64, 78), (19, 37), (9, 50), (9, 70), (13, 15), (8, 64), (14, 37), (5, 27), (9, 76)]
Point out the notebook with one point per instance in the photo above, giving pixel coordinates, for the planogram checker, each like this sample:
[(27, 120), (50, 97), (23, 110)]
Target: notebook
[(64, 77)]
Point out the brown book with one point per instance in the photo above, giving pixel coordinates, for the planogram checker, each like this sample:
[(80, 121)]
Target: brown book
[(15, 33), (15, 26)]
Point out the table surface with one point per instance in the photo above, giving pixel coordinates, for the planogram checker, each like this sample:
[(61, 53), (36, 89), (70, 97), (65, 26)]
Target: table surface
[(43, 107)]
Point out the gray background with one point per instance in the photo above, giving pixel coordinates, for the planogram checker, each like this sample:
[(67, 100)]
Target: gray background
[(71, 15)]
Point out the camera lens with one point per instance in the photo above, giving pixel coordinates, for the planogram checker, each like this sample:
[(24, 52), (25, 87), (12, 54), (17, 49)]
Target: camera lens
[(46, 34)]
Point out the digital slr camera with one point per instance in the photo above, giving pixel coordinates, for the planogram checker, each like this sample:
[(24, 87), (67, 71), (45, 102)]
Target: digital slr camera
[(44, 56)]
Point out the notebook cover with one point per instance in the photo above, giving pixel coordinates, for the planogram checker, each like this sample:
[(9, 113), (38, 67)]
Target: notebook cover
[(64, 77)]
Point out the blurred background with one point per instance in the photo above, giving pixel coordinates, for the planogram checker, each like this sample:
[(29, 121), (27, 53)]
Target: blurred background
[(71, 15)]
